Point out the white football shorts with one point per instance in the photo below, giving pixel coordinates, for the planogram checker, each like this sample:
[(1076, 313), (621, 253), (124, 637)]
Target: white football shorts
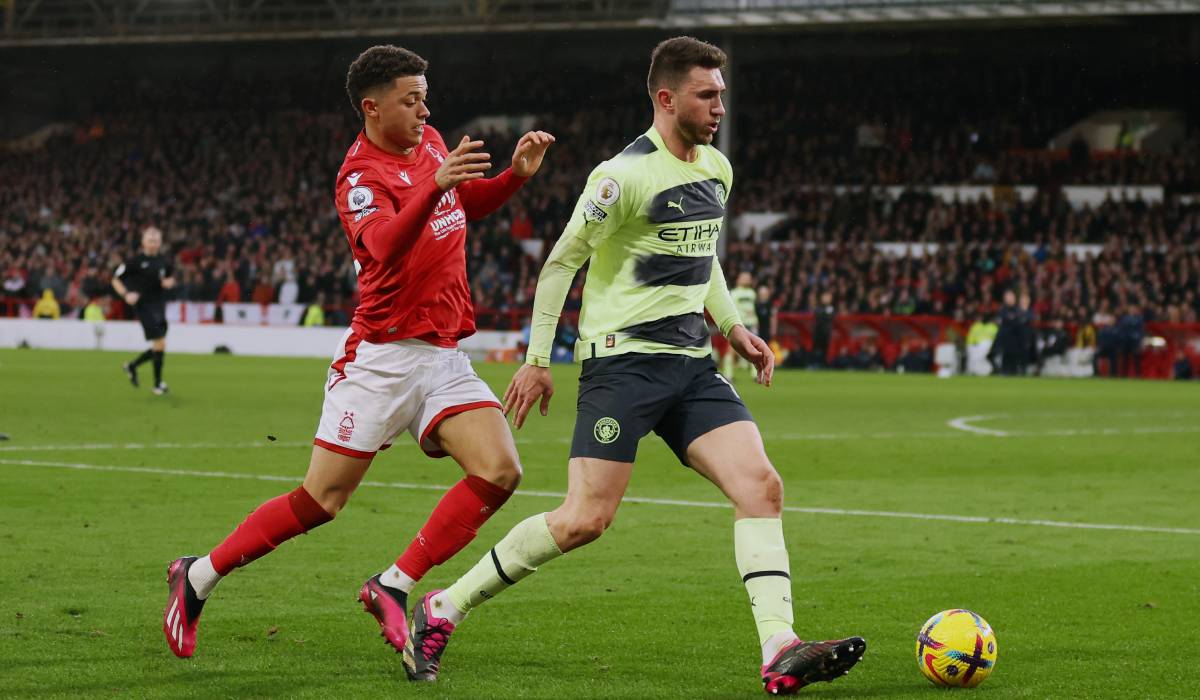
[(375, 392)]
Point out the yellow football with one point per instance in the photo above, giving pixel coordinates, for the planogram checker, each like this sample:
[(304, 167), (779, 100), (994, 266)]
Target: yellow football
[(956, 649)]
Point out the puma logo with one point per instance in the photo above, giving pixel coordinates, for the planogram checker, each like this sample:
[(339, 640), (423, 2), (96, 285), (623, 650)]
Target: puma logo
[(676, 205)]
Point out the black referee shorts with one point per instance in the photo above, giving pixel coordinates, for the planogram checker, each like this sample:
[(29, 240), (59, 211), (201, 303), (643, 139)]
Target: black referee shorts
[(624, 397), (154, 321)]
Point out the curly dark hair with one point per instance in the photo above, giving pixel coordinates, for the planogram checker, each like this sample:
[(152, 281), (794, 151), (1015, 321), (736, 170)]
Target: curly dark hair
[(674, 58), (379, 66)]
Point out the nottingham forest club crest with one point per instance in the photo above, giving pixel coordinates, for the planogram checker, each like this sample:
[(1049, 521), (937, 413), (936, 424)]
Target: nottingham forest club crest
[(607, 430)]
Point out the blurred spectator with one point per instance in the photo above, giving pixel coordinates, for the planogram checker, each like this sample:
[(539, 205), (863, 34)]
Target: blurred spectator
[(917, 358), (47, 306), (1052, 342), (1010, 344), (1130, 331), (93, 312), (231, 292), (767, 315), (822, 330), (264, 292), (314, 315), (289, 290), (1182, 368), (1108, 343)]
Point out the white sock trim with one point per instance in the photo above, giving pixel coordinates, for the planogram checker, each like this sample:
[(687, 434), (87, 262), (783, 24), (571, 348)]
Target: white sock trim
[(443, 606), (776, 642), (203, 577), (395, 578)]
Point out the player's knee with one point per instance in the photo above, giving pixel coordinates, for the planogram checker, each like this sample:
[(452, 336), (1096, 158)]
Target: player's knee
[(503, 470), (331, 497), (763, 495), (772, 490)]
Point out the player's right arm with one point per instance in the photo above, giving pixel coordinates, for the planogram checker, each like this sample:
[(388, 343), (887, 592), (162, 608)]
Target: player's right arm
[(119, 287), (386, 232), (600, 211)]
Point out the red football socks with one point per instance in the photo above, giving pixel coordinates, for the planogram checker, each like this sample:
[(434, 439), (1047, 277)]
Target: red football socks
[(452, 525), (273, 523)]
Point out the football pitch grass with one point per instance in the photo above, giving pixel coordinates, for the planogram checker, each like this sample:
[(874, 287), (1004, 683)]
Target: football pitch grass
[(907, 495)]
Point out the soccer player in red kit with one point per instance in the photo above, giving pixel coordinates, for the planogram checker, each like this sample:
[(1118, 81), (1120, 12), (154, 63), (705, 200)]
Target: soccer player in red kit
[(404, 200)]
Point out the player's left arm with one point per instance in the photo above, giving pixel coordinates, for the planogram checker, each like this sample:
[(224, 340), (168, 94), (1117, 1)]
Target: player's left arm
[(482, 197)]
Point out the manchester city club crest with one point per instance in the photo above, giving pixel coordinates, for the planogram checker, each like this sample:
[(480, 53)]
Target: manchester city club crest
[(607, 430)]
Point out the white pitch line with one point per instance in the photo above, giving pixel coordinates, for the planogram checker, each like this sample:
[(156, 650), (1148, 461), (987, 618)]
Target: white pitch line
[(961, 423), (853, 512), (148, 446), (958, 423)]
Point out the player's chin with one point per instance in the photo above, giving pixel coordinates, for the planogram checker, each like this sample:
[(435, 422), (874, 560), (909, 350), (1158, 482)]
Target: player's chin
[(406, 137)]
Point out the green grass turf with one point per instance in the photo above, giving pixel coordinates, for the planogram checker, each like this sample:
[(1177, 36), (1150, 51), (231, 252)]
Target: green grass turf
[(655, 608)]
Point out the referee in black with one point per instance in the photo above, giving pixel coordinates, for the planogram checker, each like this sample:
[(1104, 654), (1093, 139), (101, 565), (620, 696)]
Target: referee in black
[(142, 282)]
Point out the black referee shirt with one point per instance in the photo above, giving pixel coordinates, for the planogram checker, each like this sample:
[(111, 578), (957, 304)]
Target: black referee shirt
[(144, 274)]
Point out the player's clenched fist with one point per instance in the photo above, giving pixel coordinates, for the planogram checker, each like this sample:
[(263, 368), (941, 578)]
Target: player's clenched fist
[(530, 150), (463, 164)]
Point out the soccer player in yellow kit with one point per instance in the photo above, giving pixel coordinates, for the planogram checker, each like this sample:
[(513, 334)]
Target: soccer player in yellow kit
[(648, 222)]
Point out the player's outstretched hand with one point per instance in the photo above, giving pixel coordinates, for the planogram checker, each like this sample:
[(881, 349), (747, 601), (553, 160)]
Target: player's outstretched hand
[(530, 150), (463, 164), (756, 352), (527, 386)]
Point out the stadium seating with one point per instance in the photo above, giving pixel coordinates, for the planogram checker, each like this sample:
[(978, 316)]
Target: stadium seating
[(243, 192)]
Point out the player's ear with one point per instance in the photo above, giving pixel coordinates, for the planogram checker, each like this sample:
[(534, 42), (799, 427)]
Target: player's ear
[(664, 99), (369, 107)]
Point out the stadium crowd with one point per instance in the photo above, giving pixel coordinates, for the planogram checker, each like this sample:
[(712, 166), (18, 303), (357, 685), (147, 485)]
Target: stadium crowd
[(1144, 255), (244, 197)]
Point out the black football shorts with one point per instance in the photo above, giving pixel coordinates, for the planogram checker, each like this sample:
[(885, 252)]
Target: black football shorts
[(624, 397), (154, 321)]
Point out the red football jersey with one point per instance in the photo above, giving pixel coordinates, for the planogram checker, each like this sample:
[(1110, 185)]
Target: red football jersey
[(408, 240)]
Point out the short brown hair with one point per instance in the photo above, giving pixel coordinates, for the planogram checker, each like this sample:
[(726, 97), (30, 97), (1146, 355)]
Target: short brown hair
[(379, 66), (674, 58)]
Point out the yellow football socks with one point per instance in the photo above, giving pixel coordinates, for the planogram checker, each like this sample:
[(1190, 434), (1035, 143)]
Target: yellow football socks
[(762, 561), (526, 547)]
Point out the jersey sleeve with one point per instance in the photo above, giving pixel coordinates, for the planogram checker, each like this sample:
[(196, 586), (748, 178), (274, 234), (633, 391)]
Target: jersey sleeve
[(372, 219), (607, 202), (482, 197), (719, 303)]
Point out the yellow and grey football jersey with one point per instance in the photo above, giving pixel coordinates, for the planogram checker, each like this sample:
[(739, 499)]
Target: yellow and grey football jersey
[(648, 223)]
